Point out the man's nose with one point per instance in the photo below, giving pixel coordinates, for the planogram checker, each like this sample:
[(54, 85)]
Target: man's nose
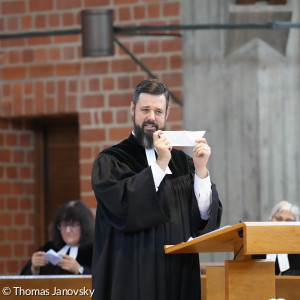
[(151, 115)]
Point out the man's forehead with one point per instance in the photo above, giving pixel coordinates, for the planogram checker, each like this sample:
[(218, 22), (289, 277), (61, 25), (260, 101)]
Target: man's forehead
[(151, 100)]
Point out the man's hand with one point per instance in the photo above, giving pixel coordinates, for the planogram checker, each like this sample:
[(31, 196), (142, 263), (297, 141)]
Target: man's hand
[(163, 149), (201, 154)]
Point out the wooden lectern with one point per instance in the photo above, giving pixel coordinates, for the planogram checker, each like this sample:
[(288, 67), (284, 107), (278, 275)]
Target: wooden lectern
[(244, 278)]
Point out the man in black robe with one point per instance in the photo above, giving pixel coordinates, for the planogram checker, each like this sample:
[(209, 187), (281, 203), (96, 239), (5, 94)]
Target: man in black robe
[(146, 199)]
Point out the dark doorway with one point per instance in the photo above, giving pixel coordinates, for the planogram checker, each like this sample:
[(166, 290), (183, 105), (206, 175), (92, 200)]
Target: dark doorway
[(57, 168)]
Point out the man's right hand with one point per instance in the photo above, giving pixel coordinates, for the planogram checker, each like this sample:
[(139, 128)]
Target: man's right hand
[(163, 149)]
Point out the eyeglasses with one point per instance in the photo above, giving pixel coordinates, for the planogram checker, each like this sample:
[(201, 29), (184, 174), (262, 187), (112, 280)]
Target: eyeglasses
[(72, 226), (281, 219)]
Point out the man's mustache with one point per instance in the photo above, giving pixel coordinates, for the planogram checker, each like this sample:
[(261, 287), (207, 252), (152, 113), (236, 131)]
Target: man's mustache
[(150, 123)]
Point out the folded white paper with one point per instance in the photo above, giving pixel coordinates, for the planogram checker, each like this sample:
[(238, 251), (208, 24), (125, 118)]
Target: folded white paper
[(183, 138), (52, 256)]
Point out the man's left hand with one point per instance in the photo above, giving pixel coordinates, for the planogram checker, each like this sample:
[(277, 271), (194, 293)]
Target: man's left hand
[(201, 154)]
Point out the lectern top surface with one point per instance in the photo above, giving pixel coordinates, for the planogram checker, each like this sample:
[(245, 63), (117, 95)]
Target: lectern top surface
[(256, 238)]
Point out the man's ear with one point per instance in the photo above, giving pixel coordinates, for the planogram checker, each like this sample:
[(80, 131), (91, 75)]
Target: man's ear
[(167, 112), (132, 109)]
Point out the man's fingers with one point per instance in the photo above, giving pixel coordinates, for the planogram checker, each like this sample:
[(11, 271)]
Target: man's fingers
[(156, 135), (201, 140), (202, 146)]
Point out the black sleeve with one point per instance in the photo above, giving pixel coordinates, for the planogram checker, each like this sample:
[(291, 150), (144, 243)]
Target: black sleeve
[(84, 258), (127, 199), (27, 268)]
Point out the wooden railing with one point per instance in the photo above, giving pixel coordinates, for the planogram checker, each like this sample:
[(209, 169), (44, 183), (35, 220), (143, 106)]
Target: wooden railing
[(287, 288), (69, 287)]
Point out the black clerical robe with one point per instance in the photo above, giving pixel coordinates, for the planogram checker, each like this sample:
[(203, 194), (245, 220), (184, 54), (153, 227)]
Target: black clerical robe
[(84, 258), (134, 222), (294, 261)]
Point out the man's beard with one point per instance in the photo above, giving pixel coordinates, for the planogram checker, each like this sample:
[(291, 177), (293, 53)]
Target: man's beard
[(145, 137)]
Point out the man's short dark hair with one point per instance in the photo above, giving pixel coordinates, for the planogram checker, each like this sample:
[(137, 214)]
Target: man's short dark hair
[(152, 87)]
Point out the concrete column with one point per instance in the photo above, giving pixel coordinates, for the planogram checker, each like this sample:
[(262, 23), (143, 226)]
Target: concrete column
[(242, 86)]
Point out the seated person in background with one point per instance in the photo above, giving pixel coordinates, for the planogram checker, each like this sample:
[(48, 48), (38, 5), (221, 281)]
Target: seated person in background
[(72, 240), (285, 211), (285, 264)]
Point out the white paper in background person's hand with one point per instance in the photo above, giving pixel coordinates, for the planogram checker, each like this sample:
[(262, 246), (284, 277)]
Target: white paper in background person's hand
[(52, 256), (183, 138)]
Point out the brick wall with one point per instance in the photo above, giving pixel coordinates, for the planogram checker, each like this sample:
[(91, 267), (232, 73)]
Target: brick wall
[(45, 76), (16, 194)]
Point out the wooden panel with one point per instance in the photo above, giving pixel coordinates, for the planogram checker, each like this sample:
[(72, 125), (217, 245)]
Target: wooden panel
[(203, 287), (215, 283), (203, 266), (287, 287), (247, 280), (265, 239), (46, 287)]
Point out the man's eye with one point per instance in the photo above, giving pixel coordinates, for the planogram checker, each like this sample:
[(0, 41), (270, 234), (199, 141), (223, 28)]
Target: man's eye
[(159, 112)]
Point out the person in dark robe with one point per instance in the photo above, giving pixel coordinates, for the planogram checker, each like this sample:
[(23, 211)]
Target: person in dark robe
[(285, 264), (150, 195), (72, 239)]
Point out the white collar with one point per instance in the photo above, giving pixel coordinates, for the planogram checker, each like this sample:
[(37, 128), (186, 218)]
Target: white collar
[(73, 250), (283, 261)]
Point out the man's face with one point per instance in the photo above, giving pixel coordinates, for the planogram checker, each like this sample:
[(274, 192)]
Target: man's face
[(149, 115)]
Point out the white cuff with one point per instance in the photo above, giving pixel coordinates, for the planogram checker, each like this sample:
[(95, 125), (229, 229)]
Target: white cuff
[(202, 187)]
